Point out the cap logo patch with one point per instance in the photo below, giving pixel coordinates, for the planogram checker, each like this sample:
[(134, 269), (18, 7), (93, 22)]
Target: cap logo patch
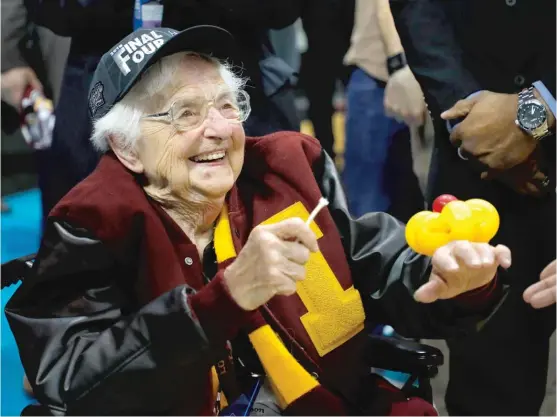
[(136, 50), (96, 98)]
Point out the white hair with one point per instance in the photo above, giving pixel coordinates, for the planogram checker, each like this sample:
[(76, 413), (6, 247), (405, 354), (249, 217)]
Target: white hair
[(122, 121)]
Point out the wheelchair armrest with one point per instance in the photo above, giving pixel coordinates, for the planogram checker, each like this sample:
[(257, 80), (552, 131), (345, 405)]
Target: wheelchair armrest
[(403, 355), (16, 270)]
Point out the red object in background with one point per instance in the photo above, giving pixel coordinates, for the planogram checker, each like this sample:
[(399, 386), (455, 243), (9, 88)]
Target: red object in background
[(442, 201)]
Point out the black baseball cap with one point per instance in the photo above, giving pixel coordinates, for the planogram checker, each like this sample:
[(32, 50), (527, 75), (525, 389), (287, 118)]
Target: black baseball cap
[(121, 67)]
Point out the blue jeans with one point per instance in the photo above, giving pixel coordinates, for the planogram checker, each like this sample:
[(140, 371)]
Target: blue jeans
[(368, 138)]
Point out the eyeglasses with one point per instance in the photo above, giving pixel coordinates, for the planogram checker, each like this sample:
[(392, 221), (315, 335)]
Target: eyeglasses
[(191, 110)]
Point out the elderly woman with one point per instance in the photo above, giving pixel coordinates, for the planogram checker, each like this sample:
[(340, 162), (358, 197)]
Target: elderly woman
[(190, 238)]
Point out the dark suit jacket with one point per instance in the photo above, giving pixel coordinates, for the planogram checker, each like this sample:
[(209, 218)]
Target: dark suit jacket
[(457, 47)]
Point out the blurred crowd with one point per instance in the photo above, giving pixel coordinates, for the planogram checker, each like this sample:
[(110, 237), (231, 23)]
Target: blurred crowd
[(434, 97)]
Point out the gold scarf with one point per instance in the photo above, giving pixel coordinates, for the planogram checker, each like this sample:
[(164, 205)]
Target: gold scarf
[(288, 379)]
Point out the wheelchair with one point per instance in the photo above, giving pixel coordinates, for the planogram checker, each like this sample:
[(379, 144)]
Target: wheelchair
[(417, 362)]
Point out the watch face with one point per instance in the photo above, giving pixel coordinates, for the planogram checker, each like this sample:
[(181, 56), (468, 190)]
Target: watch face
[(531, 115)]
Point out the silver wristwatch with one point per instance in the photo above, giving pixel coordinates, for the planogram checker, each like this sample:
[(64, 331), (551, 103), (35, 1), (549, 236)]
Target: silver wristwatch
[(531, 116)]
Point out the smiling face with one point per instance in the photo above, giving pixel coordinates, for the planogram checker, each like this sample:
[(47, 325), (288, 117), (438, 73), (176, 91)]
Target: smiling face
[(204, 160)]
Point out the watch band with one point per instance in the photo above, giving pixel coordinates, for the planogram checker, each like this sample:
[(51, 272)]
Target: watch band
[(528, 95), (396, 62), (525, 95)]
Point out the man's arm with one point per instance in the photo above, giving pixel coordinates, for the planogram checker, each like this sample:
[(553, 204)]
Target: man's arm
[(433, 53), (389, 34), (403, 95), (387, 272), (16, 73), (89, 348)]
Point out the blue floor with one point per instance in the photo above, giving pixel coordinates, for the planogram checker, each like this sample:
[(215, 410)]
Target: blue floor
[(20, 236)]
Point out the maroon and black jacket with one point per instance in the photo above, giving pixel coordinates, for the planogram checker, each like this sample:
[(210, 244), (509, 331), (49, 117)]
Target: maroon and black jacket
[(119, 316)]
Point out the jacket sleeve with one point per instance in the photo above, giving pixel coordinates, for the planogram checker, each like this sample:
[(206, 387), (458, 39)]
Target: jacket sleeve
[(387, 272), (433, 52), (89, 347), (14, 31)]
